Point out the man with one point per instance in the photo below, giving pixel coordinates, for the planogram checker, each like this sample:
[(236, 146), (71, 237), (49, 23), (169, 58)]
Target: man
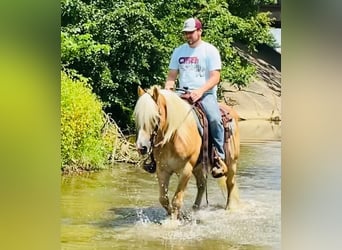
[(198, 65)]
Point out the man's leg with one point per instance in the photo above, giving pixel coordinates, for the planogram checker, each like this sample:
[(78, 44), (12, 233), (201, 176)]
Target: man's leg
[(212, 111)]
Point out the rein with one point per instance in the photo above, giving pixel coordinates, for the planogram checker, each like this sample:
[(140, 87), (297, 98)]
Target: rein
[(151, 166), (197, 106)]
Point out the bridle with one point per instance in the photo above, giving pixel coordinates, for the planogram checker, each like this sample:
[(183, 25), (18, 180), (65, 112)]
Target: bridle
[(149, 163), (151, 166)]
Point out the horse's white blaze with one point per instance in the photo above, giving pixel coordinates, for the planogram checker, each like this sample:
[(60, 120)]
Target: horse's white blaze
[(143, 140)]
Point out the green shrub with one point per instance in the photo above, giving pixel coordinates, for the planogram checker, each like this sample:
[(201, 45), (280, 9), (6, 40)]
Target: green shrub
[(83, 144)]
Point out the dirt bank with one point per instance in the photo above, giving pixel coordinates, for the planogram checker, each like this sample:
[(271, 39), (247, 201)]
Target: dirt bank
[(261, 100)]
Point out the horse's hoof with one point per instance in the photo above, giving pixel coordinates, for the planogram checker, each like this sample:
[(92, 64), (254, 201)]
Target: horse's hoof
[(195, 207)]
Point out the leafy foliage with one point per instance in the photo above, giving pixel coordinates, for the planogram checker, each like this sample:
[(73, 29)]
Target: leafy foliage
[(82, 120), (246, 8), (121, 44)]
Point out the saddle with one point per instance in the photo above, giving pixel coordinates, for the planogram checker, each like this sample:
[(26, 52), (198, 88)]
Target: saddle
[(208, 155)]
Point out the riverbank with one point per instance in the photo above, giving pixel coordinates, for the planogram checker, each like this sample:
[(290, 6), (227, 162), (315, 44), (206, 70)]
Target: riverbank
[(261, 99)]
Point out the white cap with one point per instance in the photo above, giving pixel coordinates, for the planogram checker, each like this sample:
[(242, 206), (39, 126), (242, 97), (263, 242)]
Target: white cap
[(192, 24)]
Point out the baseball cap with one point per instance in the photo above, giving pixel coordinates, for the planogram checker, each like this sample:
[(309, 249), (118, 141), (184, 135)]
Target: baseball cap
[(192, 24)]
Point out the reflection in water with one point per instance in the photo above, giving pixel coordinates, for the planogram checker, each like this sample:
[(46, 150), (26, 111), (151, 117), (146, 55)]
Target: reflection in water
[(259, 131), (119, 209)]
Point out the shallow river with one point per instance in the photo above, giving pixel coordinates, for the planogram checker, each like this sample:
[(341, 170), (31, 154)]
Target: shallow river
[(119, 208)]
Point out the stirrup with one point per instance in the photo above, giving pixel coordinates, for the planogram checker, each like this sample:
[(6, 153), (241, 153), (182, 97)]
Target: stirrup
[(217, 166), (216, 175)]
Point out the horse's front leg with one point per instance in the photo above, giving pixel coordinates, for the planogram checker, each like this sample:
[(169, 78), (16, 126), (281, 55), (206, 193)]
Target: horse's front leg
[(201, 185), (177, 200), (163, 180)]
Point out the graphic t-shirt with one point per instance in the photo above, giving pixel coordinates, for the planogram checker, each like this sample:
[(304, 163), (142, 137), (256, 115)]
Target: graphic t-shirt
[(194, 64)]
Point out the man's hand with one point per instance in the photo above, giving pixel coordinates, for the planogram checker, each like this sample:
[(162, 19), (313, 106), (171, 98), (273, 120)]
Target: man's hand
[(196, 94), (171, 78)]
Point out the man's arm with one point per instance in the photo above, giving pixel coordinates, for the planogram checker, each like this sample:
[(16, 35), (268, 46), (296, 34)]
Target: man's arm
[(213, 80), (171, 78)]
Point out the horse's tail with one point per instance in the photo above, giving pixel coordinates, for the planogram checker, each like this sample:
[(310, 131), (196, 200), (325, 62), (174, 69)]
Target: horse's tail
[(234, 142)]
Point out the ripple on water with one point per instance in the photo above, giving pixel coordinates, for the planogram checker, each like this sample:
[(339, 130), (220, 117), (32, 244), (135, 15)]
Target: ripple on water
[(123, 212)]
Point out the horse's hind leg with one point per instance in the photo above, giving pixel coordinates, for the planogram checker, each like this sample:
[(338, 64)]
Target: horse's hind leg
[(233, 192), (201, 185), (163, 180)]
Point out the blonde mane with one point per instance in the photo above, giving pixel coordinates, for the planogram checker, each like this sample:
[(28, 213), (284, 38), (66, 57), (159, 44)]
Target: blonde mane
[(178, 113), (147, 115)]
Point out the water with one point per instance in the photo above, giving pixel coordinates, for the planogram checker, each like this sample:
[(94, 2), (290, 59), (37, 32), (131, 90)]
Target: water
[(119, 208)]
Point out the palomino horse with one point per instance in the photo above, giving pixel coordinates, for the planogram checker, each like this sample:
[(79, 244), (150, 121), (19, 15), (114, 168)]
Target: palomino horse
[(168, 130)]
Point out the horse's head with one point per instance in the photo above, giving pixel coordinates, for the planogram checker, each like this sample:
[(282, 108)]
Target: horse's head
[(150, 113)]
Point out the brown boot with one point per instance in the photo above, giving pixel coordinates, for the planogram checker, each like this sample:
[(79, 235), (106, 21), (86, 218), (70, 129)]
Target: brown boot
[(220, 168)]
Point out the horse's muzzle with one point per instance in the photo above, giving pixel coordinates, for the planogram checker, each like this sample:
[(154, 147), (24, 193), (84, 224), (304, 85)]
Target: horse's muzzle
[(143, 150)]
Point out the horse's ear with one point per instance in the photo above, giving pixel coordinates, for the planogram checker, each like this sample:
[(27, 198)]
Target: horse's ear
[(155, 94), (140, 91)]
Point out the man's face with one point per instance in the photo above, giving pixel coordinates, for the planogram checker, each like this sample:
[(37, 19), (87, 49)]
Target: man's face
[(192, 36)]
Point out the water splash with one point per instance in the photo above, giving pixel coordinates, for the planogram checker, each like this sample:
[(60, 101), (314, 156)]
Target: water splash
[(246, 225)]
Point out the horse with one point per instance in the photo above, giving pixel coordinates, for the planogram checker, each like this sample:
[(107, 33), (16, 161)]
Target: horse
[(167, 129)]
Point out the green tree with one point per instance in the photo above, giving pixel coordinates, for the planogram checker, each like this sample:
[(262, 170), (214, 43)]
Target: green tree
[(121, 44), (135, 57)]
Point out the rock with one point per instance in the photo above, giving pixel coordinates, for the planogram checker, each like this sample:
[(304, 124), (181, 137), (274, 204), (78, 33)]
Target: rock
[(261, 99)]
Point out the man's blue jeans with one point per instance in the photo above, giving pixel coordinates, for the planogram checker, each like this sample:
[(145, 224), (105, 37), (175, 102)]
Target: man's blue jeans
[(211, 108)]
